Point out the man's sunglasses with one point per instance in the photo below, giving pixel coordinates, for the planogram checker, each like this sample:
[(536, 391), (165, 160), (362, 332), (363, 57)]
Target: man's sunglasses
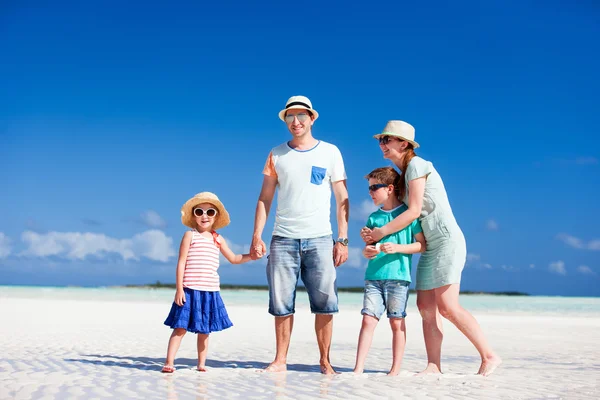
[(386, 139), (302, 117), (377, 186), (211, 212)]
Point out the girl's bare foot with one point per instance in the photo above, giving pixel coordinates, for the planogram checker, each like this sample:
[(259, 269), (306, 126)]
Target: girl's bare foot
[(489, 365), (431, 369)]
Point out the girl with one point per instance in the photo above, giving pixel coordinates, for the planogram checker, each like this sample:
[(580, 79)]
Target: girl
[(198, 306), (440, 267)]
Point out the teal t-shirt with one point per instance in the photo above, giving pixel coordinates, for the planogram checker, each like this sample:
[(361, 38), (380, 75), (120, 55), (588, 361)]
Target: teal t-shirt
[(397, 265)]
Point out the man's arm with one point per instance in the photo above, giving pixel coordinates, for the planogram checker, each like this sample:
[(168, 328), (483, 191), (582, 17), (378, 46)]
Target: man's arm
[(263, 206), (340, 252)]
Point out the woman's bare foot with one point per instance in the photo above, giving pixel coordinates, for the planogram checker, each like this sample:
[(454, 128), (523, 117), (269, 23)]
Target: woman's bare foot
[(489, 365), (393, 372), (327, 369), (273, 367), (431, 369), (358, 371)]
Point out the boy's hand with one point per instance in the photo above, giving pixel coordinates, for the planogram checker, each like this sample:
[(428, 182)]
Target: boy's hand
[(388, 248), (370, 251), (179, 297)]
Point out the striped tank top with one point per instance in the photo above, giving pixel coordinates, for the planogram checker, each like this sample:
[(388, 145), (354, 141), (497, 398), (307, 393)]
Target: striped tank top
[(202, 263)]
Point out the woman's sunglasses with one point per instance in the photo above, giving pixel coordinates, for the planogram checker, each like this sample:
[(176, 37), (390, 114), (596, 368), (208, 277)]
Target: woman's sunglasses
[(387, 139), (377, 186), (211, 212), (302, 117)]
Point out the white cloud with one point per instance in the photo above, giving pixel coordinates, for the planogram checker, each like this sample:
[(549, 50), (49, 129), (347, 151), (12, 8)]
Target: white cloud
[(355, 258), (152, 219), (151, 244), (558, 267), (473, 257), (491, 225), (486, 266), (5, 247), (585, 270), (363, 211), (577, 243)]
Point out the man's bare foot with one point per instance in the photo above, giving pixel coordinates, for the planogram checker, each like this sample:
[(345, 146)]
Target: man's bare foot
[(273, 367), (201, 368), (431, 369), (327, 369), (489, 365)]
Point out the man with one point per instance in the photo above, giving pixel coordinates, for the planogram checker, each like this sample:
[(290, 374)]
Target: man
[(305, 170)]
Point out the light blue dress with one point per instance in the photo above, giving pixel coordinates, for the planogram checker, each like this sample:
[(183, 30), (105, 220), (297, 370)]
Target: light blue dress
[(446, 254)]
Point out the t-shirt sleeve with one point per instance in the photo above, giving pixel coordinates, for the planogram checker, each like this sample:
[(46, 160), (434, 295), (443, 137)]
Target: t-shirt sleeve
[(418, 168), (269, 168), (416, 227), (370, 223), (338, 172)]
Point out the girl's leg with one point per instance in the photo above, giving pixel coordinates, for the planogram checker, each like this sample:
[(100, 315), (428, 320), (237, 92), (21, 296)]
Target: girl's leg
[(433, 333), (398, 342), (174, 342), (202, 351), (447, 302), (364, 342)]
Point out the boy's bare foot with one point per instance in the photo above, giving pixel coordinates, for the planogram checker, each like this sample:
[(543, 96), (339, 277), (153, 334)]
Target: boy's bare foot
[(431, 369), (489, 365), (273, 367), (327, 369), (201, 368)]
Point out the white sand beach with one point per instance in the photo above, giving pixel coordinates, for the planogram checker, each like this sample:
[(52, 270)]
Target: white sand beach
[(53, 348)]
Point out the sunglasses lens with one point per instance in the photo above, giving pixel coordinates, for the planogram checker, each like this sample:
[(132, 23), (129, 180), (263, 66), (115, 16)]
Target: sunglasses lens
[(211, 212), (198, 212), (301, 117), (384, 139)]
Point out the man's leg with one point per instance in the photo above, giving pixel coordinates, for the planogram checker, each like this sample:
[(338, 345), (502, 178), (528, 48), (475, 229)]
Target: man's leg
[(319, 277), (283, 268)]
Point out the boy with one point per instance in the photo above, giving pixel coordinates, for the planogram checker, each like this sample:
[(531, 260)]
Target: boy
[(388, 274)]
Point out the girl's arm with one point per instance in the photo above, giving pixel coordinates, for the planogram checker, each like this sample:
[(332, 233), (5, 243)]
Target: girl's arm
[(230, 255), (416, 191), (184, 247), (417, 247)]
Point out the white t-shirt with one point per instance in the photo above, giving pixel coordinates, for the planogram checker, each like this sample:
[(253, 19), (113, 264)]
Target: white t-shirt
[(304, 180)]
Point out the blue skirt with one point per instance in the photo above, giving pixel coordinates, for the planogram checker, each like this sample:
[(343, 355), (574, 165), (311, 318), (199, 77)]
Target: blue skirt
[(202, 312)]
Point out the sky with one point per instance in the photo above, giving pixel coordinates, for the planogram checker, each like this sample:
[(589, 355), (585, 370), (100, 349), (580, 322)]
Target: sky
[(112, 115)]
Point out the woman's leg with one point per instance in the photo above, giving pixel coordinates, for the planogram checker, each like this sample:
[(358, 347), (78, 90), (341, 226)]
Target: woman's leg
[(398, 343), (450, 308), (432, 330), (202, 351), (174, 342)]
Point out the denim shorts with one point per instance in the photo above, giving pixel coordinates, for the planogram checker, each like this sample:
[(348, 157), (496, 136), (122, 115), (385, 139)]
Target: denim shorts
[(312, 260), (385, 295)]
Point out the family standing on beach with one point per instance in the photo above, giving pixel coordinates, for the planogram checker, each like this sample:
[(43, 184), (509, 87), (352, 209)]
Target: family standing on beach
[(414, 217)]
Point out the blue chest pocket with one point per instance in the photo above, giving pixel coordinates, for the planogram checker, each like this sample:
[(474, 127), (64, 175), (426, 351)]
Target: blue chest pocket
[(317, 175)]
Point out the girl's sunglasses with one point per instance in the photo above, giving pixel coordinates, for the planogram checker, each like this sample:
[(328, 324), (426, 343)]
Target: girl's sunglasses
[(211, 212), (302, 117), (387, 139)]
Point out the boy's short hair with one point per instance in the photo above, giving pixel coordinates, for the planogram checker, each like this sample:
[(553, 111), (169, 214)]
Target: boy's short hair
[(387, 176)]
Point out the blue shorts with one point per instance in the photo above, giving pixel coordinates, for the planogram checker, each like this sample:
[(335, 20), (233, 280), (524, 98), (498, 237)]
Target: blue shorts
[(311, 259), (385, 295)]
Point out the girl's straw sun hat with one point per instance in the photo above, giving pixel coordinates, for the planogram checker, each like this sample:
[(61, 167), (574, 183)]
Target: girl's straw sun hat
[(187, 211), (400, 129), (298, 103)]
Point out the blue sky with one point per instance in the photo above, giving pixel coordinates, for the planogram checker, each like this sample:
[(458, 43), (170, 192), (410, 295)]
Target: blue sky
[(112, 116)]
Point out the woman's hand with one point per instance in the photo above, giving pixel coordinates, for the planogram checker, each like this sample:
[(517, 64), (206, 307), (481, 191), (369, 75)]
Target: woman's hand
[(371, 235), (179, 297)]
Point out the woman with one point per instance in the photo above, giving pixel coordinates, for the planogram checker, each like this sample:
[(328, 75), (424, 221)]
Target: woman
[(440, 267)]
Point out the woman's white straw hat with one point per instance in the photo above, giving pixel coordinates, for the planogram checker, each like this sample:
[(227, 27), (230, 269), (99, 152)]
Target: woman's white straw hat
[(298, 103), (187, 211), (400, 129)]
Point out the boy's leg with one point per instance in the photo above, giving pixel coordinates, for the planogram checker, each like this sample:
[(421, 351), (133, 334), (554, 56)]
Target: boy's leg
[(398, 326), (174, 342), (319, 276), (283, 268), (373, 308), (202, 351), (365, 338)]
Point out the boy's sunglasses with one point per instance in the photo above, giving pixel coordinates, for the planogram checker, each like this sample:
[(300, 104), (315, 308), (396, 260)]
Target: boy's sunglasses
[(377, 186), (387, 139), (211, 212), (302, 117)]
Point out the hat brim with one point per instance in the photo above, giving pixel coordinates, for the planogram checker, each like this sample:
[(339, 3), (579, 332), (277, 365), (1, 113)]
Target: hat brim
[(414, 144), (187, 216), (282, 112)]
